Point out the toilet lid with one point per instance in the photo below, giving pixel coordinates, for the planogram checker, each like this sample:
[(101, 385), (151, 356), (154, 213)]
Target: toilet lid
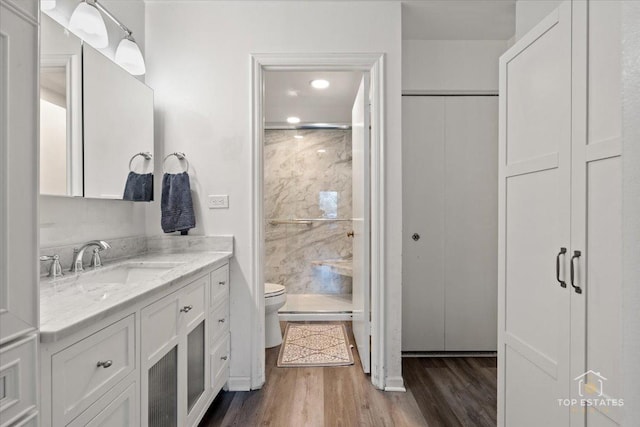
[(272, 289)]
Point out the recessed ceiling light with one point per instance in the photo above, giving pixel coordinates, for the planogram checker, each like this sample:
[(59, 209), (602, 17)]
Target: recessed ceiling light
[(319, 84), (293, 120), (298, 136)]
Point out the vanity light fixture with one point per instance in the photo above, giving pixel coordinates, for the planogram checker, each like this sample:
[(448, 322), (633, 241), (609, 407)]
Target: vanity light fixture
[(319, 84), (47, 4), (293, 120), (128, 54), (87, 23)]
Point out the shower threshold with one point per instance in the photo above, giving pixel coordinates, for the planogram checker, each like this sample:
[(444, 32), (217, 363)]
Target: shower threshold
[(310, 307)]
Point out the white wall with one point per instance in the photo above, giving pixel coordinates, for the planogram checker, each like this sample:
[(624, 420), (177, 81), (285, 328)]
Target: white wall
[(198, 56), (451, 65), (66, 220), (530, 12), (631, 210)]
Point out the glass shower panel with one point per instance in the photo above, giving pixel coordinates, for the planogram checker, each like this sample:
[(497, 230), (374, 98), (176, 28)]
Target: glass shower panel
[(163, 391), (195, 365)]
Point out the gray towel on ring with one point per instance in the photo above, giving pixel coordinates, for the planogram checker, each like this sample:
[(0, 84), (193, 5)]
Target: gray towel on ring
[(139, 187), (176, 204)]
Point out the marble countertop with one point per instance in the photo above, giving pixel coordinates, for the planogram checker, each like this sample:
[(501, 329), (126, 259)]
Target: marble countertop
[(72, 303)]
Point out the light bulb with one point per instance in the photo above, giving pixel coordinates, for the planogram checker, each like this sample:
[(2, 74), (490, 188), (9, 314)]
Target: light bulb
[(319, 84), (87, 23), (129, 57)]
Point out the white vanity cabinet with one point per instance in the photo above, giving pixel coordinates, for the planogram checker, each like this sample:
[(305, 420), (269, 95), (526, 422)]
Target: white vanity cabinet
[(159, 363), (19, 66)]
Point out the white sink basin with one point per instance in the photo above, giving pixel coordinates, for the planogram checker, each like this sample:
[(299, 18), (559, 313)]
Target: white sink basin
[(101, 284)]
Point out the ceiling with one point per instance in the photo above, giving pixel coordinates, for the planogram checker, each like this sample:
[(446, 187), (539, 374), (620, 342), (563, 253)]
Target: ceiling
[(458, 19), (288, 93)]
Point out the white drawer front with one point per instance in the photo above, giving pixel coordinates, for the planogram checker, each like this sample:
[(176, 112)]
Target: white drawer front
[(86, 370), (219, 322), (193, 302), (219, 285), (120, 411), (160, 324), (220, 363), (18, 379)]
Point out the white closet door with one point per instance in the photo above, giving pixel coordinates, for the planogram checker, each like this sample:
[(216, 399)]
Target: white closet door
[(471, 223), (597, 165), (534, 223), (423, 215)]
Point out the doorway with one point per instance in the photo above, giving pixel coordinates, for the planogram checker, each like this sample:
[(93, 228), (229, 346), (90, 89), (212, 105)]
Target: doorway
[(363, 218)]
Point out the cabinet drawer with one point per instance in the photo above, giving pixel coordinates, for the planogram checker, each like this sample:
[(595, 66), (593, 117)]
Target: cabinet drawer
[(220, 322), (18, 379), (117, 409), (86, 370), (160, 327), (219, 285), (220, 363), (193, 302)]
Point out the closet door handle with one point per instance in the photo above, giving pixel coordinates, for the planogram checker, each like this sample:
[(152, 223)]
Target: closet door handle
[(576, 255), (562, 282)]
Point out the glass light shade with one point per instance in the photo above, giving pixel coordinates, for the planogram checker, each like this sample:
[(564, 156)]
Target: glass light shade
[(129, 57), (87, 23), (47, 4)]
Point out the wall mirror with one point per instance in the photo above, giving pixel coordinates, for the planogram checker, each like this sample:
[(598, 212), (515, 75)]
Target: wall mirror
[(118, 124), (60, 111), (96, 119)]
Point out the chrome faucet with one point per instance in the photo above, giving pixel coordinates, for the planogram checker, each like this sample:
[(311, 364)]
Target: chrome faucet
[(78, 253)]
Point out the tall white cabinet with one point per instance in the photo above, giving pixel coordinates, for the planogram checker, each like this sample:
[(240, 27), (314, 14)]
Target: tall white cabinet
[(560, 221), (18, 211), (450, 201)]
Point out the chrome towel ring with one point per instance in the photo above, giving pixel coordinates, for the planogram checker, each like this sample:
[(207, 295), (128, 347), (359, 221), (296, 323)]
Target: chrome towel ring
[(179, 156), (145, 154)]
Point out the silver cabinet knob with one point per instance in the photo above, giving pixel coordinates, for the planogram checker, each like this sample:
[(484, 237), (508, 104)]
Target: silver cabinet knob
[(222, 283), (415, 237), (224, 358), (220, 320), (106, 364), (186, 309)]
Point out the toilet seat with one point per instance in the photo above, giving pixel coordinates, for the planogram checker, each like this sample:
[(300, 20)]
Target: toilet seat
[(273, 290)]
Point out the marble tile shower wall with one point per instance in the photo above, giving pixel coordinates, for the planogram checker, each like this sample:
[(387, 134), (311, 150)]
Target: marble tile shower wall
[(308, 177)]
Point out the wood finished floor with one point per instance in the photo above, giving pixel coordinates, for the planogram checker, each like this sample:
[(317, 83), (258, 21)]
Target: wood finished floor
[(458, 391)]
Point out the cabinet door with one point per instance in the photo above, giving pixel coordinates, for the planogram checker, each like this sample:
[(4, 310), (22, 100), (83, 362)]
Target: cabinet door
[(423, 215), (160, 339), (18, 174), (534, 223), (597, 210)]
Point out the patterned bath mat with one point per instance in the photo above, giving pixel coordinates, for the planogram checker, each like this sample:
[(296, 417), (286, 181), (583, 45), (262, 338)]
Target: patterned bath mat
[(317, 344)]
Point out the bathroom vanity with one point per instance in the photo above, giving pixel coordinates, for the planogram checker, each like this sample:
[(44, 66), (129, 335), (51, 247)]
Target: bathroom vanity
[(142, 341)]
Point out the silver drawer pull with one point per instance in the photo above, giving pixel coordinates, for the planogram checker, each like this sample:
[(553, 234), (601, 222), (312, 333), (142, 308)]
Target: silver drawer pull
[(222, 283), (186, 308), (224, 358), (106, 364), (220, 320)]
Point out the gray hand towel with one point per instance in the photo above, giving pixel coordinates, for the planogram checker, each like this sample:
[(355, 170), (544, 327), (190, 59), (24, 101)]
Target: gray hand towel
[(139, 187), (176, 204)]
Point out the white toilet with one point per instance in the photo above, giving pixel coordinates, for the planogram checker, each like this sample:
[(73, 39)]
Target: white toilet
[(274, 298)]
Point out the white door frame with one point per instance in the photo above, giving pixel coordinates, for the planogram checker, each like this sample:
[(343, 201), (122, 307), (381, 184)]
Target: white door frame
[(373, 63)]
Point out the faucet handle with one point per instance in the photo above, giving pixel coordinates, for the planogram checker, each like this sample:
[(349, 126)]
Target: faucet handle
[(55, 270), (95, 258)]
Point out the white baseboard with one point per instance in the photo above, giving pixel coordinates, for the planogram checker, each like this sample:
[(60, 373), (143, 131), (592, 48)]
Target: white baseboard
[(239, 384), (314, 317), (394, 384)]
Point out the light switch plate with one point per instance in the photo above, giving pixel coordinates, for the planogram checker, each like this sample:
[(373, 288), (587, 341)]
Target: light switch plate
[(219, 202)]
